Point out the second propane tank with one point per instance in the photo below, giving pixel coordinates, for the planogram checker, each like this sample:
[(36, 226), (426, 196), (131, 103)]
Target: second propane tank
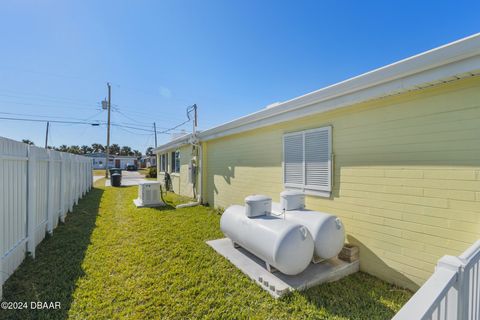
[(327, 230), (285, 245)]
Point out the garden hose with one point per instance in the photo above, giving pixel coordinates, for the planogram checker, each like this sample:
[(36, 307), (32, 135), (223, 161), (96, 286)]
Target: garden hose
[(168, 182), (161, 195)]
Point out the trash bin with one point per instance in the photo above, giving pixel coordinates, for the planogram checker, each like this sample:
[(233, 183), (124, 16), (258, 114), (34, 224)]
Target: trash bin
[(115, 179), (115, 170)]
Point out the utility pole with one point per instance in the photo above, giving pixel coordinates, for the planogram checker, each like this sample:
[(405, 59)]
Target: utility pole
[(155, 131), (46, 135), (108, 129), (195, 119)]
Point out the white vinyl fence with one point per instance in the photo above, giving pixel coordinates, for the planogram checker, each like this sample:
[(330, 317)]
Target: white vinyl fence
[(452, 292), (37, 189)]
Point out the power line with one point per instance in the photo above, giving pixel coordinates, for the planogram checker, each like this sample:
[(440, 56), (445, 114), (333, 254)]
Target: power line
[(95, 123), (99, 122), (47, 100), (96, 114), (45, 120), (44, 95), (146, 143), (135, 133), (167, 131), (136, 123), (42, 105), (115, 109), (145, 114), (173, 128), (48, 116), (189, 110), (130, 127)]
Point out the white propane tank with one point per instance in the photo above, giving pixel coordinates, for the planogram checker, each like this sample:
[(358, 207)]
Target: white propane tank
[(285, 245), (292, 200), (257, 205), (327, 230)]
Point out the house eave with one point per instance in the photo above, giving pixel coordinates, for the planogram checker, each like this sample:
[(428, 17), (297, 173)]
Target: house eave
[(176, 143)]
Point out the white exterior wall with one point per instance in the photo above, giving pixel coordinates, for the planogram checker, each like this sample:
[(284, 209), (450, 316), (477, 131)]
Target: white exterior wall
[(37, 188), (98, 163)]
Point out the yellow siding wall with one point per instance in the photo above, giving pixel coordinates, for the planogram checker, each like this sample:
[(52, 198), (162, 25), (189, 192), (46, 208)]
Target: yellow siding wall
[(406, 175), (180, 182)]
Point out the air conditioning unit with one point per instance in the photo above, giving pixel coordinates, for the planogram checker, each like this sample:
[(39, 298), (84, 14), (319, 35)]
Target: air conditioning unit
[(148, 194)]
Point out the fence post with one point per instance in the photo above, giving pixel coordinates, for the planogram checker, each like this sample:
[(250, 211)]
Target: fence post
[(84, 177), (31, 203), (50, 194), (71, 178), (1, 238), (469, 259), (80, 179), (91, 174), (62, 187), (1, 260), (463, 298), (77, 182), (456, 300)]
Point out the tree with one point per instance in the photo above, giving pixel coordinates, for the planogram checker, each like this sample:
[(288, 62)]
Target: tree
[(29, 142), (74, 149), (63, 148), (125, 151), (97, 147), (114, 149), (137, 153), (149, 151), (85, 149)]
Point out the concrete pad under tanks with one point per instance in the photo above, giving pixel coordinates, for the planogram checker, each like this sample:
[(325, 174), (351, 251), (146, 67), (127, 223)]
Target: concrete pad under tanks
[(278, 284)]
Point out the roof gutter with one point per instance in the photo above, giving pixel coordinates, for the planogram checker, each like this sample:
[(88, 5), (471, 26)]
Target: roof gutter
[(178, 142)]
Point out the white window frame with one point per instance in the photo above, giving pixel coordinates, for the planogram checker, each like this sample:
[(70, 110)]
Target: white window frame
[(163, 162), (174, 155), (177, 161), (310, 189)]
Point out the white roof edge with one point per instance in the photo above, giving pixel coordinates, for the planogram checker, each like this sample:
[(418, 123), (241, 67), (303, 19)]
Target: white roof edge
[(175, 143), (457, 57)]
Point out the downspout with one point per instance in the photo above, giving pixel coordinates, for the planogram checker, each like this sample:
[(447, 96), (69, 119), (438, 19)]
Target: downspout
[(200, 173)]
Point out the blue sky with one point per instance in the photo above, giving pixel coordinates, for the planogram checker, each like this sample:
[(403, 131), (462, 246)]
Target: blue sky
[(231, 58)]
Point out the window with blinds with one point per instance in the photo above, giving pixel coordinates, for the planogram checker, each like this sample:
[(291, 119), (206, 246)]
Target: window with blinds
[(163, 163), (307, 159)]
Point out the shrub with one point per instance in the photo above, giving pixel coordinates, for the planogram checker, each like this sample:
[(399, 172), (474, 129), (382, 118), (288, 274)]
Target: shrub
[(152, 172)]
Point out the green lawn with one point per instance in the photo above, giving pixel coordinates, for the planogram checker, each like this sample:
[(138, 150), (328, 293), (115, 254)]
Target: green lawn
[(99, 172), (111, 260)]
